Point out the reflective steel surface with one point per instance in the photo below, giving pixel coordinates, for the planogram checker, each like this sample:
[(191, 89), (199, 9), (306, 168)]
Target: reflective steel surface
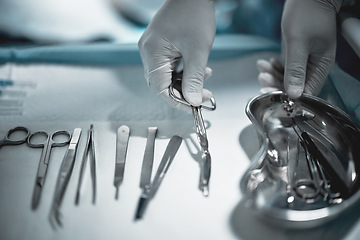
[(308, 166)]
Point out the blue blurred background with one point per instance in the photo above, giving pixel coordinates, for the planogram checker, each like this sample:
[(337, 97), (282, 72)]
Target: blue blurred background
[(43, 22), (121, 21)]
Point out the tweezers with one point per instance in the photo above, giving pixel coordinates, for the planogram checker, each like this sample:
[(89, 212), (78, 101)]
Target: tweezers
[(89, 148), (200, 129)]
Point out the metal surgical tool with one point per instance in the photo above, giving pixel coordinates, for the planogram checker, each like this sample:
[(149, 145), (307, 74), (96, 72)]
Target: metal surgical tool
[(317, 164), (149, 190), (47, 145), (10, 139), (89, 149), (146, 169), (123, 134), (66, 168), (202, 138)]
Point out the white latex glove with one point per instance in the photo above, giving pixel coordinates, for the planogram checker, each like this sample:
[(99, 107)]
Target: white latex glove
[(271, 75), (180, 29), (309, 44)]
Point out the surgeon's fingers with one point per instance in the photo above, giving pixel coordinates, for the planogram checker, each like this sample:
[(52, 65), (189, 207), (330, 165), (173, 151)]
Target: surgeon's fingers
[(296, 58), (317, 72), (179, 75), (194, 75), (268, 89), (278, 66), (160, 78), (165, 95), (208, 73), (268, 67), (268, 80)]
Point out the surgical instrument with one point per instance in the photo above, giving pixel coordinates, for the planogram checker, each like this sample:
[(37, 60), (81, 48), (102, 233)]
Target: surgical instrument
[(89, 148), (149, 192), (316, 163), (146, 168), (50, 142), (202, 138), (65, 171), (9, 139), (123, 134)]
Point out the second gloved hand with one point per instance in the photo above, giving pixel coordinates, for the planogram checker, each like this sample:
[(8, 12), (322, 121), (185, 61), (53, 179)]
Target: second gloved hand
[(180, 29), (309, 44)]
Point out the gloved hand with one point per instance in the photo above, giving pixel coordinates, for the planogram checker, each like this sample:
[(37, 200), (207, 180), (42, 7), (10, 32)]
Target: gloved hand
[(309, 44), (271, 75), (180, 29)]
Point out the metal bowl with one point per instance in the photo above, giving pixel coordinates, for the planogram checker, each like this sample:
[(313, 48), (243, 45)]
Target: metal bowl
[(307, 169)]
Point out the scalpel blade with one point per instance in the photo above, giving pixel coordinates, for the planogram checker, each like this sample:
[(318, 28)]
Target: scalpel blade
[(147, 194), (146, 170), (123, 134)]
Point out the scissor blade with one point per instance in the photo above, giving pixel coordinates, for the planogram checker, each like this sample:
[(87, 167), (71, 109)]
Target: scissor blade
[(146, 168), (123, 134), (37, 192), (66, 168), (166, 160)]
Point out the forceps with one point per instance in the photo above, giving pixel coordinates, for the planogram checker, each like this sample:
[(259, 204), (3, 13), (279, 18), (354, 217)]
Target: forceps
[(201, 136), (318, 166), (9, 140), (46, 145), (89, 148)]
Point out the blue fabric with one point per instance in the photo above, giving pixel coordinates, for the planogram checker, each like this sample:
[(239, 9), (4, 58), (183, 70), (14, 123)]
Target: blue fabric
[(225, 46)]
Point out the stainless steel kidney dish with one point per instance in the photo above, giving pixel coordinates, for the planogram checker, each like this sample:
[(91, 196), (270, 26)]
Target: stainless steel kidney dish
[(308, 165)]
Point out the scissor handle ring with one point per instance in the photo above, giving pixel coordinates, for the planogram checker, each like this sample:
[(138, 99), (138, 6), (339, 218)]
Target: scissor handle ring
[(17, 129), (37, 145), (183, 101), (60, 144)]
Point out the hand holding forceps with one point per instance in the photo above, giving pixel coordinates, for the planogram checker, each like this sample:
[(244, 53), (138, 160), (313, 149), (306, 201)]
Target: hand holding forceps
[(10, 139), (201, 136), (49, 142)]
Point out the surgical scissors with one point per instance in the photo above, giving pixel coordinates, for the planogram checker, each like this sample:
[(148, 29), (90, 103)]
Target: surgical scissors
[(9, 139), (49, 142), (201, 136), (64, 178)]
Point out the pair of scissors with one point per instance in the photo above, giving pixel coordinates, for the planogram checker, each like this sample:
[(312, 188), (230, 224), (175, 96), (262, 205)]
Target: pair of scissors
[(53, 140), (64, 178), (201, 136), (11, 139)]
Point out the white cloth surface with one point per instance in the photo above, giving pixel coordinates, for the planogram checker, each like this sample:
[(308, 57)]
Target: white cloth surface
[(66, 97)]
